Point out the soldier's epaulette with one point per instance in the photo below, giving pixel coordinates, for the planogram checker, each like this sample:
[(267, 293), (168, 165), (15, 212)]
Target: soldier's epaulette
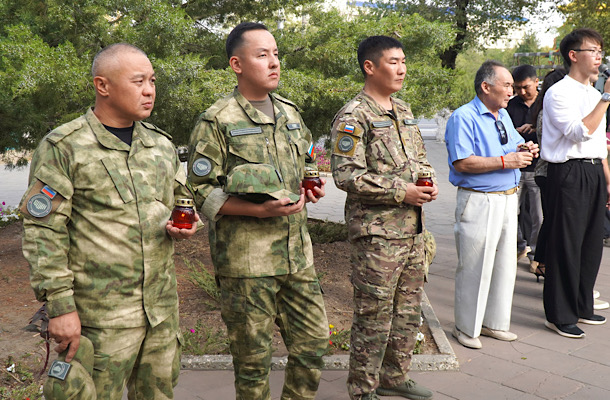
[(285, 101), (210, 113), (155, 128), (349, 108), (64, 130), (403, 104)]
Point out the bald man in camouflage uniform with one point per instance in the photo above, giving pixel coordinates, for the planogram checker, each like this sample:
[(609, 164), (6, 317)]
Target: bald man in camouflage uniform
[(261, 251), (99, 240), (377, 155)]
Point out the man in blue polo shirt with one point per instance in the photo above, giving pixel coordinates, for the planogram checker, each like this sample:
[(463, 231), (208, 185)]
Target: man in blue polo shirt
[(484, 162)]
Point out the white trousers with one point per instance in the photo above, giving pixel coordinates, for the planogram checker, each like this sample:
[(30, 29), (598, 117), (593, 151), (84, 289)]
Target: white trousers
[(486, 241)]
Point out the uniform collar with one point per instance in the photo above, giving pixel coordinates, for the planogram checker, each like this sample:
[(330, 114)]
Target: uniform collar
[(256, 116), (110, 141), (379, 110)]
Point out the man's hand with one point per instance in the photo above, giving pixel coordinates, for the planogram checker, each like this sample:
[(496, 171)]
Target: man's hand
[(319, 193), (533, 148), (519, 159), (420, 195), (282, 207), (525, 129), (178, 233), (65, 330)]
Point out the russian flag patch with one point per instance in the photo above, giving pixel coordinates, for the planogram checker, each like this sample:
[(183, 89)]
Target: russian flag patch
[(48, 191), (348, 128)]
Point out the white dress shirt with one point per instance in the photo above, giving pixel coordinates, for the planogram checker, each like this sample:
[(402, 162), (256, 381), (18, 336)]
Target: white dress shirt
[(564, 135)]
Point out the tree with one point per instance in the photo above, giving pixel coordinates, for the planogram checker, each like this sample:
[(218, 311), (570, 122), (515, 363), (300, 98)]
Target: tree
[(472, 20), (587, 13), (46, 49)]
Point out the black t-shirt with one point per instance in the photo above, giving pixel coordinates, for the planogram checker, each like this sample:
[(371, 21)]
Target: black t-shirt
[(125, 134), (520, 113)]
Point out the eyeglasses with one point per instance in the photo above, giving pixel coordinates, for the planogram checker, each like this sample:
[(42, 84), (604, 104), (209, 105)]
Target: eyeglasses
[(502, 130), (594, 53)]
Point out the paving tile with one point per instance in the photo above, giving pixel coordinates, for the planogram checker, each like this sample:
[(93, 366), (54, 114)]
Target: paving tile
[(593, 374), (595, 352), (588, 392), (493, 369), (554, 362), (544, 384)]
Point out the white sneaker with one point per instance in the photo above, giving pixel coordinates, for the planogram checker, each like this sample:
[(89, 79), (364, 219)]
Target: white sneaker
[(595, 294), (600, 304)]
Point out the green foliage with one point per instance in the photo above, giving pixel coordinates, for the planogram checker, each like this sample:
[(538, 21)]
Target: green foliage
[(474, 21), (18, 381), (326, 231), (46, 49), (200, 276), (9, 215), (200, 340), (586, 13)]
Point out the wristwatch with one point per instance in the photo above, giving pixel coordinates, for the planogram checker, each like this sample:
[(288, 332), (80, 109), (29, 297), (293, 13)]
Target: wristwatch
[(606, 96)]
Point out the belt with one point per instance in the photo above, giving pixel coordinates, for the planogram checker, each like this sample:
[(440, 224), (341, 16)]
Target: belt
[(509, 191), (587, 160)]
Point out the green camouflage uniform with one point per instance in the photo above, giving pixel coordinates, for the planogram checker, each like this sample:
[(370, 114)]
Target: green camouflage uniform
[(101, 247), (264, 265), (374, 156)]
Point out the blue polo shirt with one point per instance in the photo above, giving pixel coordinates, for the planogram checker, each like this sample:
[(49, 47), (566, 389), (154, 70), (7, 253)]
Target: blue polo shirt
[(471, 130)]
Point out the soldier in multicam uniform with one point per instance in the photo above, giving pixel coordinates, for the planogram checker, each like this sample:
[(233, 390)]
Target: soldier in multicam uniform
[(99, 241), (377, 154), (261, 251)]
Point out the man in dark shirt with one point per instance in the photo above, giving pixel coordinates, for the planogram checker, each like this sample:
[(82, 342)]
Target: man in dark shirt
[(530, 206)]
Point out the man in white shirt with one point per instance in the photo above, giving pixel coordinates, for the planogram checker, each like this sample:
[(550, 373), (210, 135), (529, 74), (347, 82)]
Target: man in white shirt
[(574, 144)]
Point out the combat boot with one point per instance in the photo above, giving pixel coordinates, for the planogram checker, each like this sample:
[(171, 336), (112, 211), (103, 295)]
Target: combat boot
[(370, 396), (410, 390)]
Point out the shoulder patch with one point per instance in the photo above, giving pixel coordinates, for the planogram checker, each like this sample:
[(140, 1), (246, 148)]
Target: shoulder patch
[(351, 129), (410, 121), (64, 130), (285, 101), (155, 128), (210, 113)]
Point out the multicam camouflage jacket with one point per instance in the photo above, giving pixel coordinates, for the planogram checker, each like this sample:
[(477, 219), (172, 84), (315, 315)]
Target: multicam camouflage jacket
[(230, 133), (94, 227), (375, 155)]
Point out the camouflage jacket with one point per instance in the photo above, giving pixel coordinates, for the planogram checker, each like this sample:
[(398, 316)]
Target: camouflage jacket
[(230, 133), (374, 156), (101, 247)]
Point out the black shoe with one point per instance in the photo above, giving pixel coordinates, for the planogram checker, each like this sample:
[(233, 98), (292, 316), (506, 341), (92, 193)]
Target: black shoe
[(540, 272), (593, 320), (565, 330)]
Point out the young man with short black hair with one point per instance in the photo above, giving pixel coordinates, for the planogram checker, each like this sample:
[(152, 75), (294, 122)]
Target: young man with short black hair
[(574, 144), (378, 153)]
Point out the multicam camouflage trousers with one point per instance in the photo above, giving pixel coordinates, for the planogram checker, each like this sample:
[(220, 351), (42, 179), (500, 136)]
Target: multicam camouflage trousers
[(388, 278), (147, 359), (250, 307)]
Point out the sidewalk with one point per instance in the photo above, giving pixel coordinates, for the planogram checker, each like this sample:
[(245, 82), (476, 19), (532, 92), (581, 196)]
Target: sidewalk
[(539, 365)]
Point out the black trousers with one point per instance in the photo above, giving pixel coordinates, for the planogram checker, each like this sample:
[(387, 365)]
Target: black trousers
[(575, 197)]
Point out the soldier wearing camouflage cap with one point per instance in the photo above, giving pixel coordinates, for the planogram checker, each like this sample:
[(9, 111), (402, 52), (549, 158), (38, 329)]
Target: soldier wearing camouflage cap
[(252, 143), (99, 241), (378, 153)]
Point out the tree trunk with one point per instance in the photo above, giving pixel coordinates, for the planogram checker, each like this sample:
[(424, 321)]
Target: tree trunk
[(461, 23)]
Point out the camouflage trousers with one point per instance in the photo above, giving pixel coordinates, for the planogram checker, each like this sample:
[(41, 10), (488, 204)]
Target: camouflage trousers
[(250, 307), (147, 359), (388, 279)]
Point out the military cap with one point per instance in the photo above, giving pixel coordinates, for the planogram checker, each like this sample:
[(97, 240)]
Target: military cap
[(257, 183), (72, 380)]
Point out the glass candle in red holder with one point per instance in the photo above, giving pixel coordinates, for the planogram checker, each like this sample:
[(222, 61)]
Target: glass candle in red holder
[(311, 180), (183, 215), (424, 179)]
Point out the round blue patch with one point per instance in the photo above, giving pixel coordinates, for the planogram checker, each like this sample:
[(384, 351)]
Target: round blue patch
[(39, 205), (345, 144), (202, 167)]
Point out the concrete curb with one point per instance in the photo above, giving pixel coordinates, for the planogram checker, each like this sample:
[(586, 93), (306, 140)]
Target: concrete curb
[(446, 361)]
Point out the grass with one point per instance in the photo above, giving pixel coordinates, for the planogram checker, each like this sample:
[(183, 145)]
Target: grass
[(201, 340), (326, 231), (19, 381), (200, 276)]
